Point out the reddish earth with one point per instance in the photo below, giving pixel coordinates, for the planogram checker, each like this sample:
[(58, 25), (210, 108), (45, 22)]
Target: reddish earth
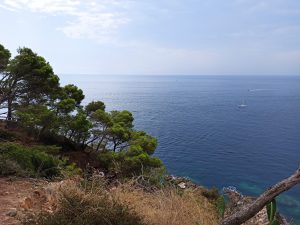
[(19, 196)]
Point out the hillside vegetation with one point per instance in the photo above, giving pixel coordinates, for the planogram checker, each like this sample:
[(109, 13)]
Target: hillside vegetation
[(100, 170), (33, 99), (48, 133)]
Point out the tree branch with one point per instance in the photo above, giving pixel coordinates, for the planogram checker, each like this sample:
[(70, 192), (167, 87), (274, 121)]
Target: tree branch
[(252, 209)]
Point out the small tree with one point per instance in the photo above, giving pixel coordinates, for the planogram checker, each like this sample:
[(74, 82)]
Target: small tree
[(110, 130), (147, 143), (29, 79), (4, 60), (123, 118), (94, 106), (65, 106), (101, 121), (71, 91), (119, 136), (77, 127), (37, 118)]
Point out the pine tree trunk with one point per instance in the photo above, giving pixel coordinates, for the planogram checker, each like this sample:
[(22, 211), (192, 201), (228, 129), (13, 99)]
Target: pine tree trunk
[(9, 110)]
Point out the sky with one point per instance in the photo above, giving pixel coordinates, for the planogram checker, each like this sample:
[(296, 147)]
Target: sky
[(157, 37)]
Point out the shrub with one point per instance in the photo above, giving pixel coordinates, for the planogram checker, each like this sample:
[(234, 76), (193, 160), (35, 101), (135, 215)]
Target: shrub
[(50, 138), (7, 136), (221, 205), (71, 170), (166, 207), (106, 159), (49, 149), (212, 194), (272, 212), (129, 163), (33, 159), (79, 207), (9, 167)]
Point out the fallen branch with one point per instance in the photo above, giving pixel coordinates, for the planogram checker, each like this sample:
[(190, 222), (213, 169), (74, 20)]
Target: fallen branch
[(249, 211)]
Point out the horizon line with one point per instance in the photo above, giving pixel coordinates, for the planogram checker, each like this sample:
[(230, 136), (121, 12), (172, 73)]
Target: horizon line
[(101, 74)]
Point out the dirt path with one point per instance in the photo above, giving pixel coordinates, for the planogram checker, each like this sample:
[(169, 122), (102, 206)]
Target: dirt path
[(18, 196)]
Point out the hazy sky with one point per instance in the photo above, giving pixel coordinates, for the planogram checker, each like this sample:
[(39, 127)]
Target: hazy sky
[(157, 36)]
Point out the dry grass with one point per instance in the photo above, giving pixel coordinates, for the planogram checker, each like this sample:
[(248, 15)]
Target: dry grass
[(167, 206), (78, 205)]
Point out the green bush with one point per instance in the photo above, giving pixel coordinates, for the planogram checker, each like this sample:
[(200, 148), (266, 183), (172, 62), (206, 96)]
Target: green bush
[(49, 149), (221, 205), (106, 159), (129, 163), (34, 160), (272, 212), (50, 138), (7, 136), (9, 167), (71, 170)]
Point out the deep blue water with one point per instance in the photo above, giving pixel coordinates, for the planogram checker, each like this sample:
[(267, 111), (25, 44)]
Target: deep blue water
[(202, 132)]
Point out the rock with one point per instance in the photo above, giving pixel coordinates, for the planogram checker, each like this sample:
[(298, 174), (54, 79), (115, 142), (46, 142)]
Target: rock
[(101, 174), (37, 193), (182, 185), (12, 212), (98, 174), (27, 204), (49, 211)]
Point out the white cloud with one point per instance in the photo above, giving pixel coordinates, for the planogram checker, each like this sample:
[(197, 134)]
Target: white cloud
[(101, 27), (43, 6), (92, 19), (6, 7)]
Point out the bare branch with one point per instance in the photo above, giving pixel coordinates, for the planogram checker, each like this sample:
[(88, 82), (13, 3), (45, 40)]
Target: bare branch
[(252, 209)]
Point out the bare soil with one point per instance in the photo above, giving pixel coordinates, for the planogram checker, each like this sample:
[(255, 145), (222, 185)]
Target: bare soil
[(20, 196)]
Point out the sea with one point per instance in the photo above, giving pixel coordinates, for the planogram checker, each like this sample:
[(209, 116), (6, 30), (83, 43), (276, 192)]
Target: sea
[(219, 131)]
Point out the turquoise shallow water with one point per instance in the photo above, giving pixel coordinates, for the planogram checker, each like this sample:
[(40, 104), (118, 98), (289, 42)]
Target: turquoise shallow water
[(202, 132)]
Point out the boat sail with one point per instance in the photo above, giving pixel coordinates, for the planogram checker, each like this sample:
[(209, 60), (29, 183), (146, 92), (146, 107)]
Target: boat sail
[(243, 105)]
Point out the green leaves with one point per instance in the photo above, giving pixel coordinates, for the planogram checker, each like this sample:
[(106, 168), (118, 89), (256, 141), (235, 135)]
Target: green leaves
[(32, 71), (71, 91), (145, 141), (37, 117), (101, 117), (127, 151), (4, 58), (113, 131), (133, 162), (79, 125), (119, 133), (272, 211), (221, 205), (123, 118), (94, 106), (66, 105), (28, 79), (33, 159)]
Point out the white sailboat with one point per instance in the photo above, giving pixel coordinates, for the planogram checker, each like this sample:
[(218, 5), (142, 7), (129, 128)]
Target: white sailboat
[(243, 105)]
